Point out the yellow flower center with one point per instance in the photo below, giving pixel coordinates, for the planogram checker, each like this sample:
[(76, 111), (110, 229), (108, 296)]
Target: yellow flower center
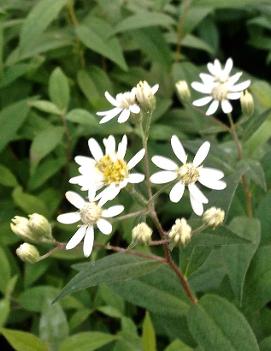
[(188, 173), (90, 213), (220, 92), (113, 171)]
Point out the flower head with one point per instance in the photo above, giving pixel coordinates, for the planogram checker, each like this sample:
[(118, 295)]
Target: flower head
[(219, 86), (247, 103), (145, 95), (108, 169), (142, 233), (91, 214), (180, 233), (124, 104), (188, 174), (183, 90), (28, 253), (213, 217)]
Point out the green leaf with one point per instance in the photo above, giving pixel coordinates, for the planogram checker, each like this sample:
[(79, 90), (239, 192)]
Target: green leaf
[(7, 177), (59, 89), (12, 118), (148, 334), (116, 267), (266, 344), (29, 203), (86, 341), (254, 124), (255, 172), (46, 106), (226, 3), (178, 345), (216, 324), (143, 19), (263, 213), (40, 146), (22, 341), (88, 87), (108, 47), (81, 116), (237, 258), (5, 271), (38, 19), (4, 311)]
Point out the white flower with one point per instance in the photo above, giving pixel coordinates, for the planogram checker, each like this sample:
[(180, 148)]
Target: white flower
[(219, 86), (144, 94), (187, 175), (90, 214), (124, 104), (108, 169)]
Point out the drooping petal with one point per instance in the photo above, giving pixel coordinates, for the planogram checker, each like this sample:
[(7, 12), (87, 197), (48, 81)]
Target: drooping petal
[(178, 149), (210, 173), (95, 149), (110, 99), (233, 96), (226, 106), (76, 238), (176, 192), (201, 154), (75, 199), (240, 87), (123, 117), (212, 108), (112, 211), (163, 177), (69, 217), (135, 178), (164, 163), (104, 226), (108, 115), (202, 88), (196, 206), (88, 241), (197, 193), (202, 101), (136, 159), (134, 108), (122, 147), (215, 184)]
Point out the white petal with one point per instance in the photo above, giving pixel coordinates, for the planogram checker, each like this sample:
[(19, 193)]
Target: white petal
[(110, 145), (233, 96), (217, 65), (112, 211), (155, 88), (197, 193), (122, 148), (88, 242), (69, 218), (176, 192), (214, 68), (178, 149), (163, 177), (109, 193), (76, 238), (104, 226), (210, 173), (201, 154), (164, 163), (196, 206), (228, 67), (136, 159), (134, 108), (202, 101), (123, 117), (135, 178), (95, 149), (226, 106), (108, 115), (241, 86), (110, 99), (206, 78), (202, 88), (233, 79), (91, 193), (83, 160), (213, 183), (75, 199), (212, 108)]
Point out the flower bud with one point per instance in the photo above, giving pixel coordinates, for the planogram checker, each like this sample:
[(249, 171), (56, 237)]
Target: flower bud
[(40, 226), (145, 95), (20, 226), (142, 233), (183, 91), (213, 217), (180, 233), (28, 253), (247, 103)]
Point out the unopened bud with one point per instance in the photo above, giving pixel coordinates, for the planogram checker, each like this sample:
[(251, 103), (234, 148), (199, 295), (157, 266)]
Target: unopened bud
[(40, 226), (213, 217), (20, 226), (142, 233), (28, 253), (145, 95), (183, 91), (247, 103), (180, 232)]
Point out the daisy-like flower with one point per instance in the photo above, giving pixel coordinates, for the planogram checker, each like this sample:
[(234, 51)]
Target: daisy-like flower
[(108, 169), (219, 86), (91, 214), (124, 104), (188, 174)]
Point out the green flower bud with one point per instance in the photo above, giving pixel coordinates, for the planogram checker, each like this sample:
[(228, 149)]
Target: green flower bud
[(183, 91), (180, 233), (20, 226), (41, 227), (213, 217), (142, 233), (28, 253), (247, 103)]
